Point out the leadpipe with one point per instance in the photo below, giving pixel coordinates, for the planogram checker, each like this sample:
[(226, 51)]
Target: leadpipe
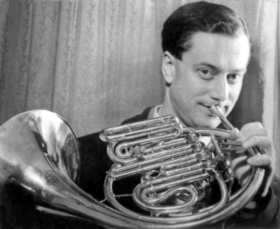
[(216, 110)]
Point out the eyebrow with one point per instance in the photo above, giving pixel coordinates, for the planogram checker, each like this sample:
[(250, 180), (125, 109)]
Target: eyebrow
[(217, 69)]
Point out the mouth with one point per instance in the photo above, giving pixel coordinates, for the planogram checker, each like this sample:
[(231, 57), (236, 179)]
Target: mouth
[(210, 113), (207, 110)]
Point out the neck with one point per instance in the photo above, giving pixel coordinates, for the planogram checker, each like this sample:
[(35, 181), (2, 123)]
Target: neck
[(167, 108)]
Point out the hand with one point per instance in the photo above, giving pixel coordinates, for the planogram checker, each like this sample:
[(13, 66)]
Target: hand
[(251, 135)]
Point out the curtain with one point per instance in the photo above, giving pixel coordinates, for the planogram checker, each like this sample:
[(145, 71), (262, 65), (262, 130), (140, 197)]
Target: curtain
[(97, 62)]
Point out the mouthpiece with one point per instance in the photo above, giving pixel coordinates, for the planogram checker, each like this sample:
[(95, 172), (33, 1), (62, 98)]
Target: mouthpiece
[(216, 110)]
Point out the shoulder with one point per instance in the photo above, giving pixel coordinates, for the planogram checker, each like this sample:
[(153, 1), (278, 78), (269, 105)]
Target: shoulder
[(91, 142), (139, 117)]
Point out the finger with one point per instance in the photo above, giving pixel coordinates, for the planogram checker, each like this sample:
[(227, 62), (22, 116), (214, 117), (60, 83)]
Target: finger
[(252, 130), (266, 162), (260, 160), (261, 141), (234, 131), (233, 134)]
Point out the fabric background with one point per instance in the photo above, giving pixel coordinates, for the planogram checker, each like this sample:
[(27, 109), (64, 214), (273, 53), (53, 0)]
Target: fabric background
[(97, 62)]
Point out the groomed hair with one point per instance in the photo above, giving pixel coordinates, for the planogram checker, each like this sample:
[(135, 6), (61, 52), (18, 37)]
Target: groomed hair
[(198, 17)]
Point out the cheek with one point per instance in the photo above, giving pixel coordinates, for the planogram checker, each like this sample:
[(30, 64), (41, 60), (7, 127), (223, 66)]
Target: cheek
[(185, 90), (235, 92), (181, 96), (179, 93)]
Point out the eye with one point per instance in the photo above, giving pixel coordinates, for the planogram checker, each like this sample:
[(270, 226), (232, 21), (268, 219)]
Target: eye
[(234, 78), (205, 73)]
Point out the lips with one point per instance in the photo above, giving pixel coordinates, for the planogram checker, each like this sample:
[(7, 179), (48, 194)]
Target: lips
[(207, 107)]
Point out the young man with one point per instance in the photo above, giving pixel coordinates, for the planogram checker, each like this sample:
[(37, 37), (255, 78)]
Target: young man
[(206, 50), (205, 59)]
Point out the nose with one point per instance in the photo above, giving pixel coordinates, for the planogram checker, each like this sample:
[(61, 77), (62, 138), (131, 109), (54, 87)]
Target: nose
[(220, 89)]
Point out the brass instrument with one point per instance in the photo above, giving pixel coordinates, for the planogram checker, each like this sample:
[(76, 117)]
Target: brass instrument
[(39, 151)]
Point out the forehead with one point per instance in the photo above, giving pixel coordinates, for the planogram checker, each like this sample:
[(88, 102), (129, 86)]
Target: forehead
[(223, 51)]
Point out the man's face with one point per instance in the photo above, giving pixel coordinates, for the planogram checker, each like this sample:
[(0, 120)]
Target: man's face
[(211, 72)]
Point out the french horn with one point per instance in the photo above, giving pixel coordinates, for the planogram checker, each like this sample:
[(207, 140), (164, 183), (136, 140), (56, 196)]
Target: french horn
[(177, 168)]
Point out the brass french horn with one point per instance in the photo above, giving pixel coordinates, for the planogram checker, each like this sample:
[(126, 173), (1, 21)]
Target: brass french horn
[(39, 152)]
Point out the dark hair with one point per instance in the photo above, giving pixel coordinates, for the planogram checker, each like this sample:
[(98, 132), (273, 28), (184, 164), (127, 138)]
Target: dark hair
[(198, 17)]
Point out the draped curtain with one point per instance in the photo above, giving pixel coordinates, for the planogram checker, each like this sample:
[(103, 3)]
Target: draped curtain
[(97, 62)]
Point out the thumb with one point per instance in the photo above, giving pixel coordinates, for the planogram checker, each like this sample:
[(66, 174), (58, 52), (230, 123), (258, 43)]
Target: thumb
[(233, 134)]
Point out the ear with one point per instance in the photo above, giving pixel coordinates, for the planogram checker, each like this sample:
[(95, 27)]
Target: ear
[(168, 67)]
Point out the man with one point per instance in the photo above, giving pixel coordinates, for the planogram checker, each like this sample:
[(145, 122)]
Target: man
[(208, 69), (206, 50)]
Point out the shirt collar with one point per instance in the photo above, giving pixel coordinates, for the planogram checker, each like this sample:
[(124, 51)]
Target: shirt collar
[(154, 112)]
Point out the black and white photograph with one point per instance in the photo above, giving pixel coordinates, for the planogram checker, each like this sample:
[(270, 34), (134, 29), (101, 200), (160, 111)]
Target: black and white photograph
[(139, 114)]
